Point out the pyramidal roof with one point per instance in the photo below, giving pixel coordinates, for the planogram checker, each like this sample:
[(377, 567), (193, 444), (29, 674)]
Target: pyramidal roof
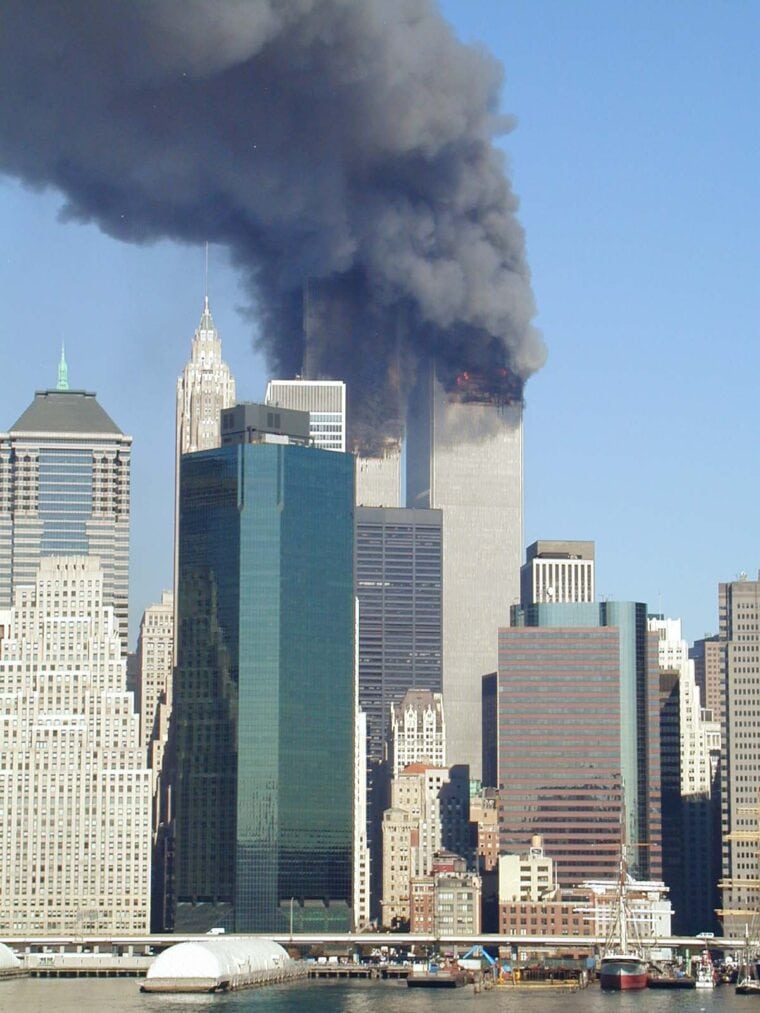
[(207, 322), (65, 411)]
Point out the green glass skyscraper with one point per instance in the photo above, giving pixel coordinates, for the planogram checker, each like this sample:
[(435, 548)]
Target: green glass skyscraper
[(263, 709)]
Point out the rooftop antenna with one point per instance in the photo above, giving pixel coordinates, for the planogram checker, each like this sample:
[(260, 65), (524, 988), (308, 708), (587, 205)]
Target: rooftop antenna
[(306, 364), (205, 278)]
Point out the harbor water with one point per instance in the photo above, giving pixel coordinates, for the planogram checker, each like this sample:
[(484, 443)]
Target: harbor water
[(122, 995)]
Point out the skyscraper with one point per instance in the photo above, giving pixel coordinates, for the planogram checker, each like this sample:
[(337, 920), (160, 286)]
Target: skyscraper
[(205, 387), (464, 456), (263, 713), (324, 400), (64, 490), (697, 733), (557, 572), (154, 663), (739, 631), (689, 751), (578, 737), (398, 586), (418, 731), (707, 655), (75, 791), (378, 476)]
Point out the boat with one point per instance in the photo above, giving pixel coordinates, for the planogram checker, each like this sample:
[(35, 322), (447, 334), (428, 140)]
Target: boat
[(625, 968), (748, 986), (748, 981), (435, 976), (670, 977), (623, 971), (705, 971)]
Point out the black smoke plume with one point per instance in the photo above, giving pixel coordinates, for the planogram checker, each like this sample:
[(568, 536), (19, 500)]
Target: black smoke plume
[(341, 149)]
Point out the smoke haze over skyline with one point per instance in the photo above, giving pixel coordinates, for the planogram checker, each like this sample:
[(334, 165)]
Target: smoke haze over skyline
[(638, 192), (344, 154)]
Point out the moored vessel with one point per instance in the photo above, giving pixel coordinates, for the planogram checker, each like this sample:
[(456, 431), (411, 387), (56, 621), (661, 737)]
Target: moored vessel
[(623, 971), (705, 971), (435, 976), (624, 966), (669, 977)]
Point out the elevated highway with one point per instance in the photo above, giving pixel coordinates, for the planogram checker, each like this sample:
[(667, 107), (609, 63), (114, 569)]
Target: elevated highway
[(152, 944)]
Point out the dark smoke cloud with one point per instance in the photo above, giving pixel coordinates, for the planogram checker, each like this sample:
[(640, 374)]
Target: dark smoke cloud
[(338, 146)]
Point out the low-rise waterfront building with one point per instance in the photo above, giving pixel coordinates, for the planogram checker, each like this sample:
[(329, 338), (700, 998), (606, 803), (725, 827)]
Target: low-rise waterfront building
[(447, 901)]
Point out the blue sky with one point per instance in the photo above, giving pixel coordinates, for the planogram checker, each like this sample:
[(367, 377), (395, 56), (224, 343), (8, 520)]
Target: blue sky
[(637, 165)]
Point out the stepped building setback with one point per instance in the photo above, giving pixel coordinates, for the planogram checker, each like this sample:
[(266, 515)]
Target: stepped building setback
[(75, 790)]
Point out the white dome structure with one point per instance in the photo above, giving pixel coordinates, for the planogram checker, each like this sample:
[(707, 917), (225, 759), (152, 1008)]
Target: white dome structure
[(220, 964), (9, 962)]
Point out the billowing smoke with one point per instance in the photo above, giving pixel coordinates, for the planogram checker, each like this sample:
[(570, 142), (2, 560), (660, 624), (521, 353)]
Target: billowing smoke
[(341, 149)]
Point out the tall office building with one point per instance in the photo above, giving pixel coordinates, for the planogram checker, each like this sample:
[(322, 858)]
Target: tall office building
[(464, 456), (707, 655), (205, 387), (378, 476), (324, 400), (698, 734), (739, 631), (557, 572), (690, 753), (262, 751), (154, 664), (418, 731), (64, 490), (399, 589), (75, 790), (577, 737), (361, 874)]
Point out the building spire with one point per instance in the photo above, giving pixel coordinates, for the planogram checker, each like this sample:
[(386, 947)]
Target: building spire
[(63, 371), (207, 324)]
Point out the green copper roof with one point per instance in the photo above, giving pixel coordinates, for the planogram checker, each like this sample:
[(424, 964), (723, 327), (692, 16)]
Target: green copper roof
[(64, 411)]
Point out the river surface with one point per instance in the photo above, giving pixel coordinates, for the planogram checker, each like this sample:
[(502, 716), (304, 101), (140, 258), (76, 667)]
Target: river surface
[(122, 995)]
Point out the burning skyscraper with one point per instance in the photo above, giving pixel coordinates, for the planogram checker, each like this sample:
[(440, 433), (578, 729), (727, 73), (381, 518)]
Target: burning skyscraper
[(348, 165), (464, 455)]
